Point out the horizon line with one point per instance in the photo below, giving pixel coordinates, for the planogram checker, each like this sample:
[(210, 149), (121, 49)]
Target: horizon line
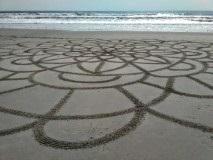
[(169, 10)]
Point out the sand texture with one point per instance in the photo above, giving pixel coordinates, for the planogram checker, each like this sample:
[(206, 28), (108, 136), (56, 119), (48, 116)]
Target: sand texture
[(105, 95)]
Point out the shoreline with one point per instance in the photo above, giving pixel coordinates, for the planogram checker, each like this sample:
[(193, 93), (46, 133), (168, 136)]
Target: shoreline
[(63, 34)]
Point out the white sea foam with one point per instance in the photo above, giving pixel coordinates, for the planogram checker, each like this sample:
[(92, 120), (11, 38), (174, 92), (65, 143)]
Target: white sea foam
[(119, 20)]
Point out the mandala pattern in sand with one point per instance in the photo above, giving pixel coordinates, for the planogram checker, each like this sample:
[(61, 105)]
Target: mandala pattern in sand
[(74, 65)]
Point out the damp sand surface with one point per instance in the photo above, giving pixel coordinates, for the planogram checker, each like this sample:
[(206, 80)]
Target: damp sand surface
[(105, 95)]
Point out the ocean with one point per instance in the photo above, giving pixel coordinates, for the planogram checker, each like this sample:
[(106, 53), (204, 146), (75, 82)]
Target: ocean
[(163, 21)]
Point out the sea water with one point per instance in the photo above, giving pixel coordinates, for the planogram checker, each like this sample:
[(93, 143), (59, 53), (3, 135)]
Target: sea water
[(165, 21)]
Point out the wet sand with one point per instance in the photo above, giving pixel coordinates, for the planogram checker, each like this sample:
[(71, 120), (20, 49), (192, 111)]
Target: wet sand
[(105, 95)]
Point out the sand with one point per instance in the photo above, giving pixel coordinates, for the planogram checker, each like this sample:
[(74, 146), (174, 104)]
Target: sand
[(105, 95)]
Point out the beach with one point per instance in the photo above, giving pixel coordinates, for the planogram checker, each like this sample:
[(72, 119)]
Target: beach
[(105, 95), (45, 33)]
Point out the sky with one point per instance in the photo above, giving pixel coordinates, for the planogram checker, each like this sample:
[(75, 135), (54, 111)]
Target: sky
[(106, 5)]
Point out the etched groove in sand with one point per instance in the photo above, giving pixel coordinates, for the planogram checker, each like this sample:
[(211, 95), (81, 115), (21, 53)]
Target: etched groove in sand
[(95, 64)]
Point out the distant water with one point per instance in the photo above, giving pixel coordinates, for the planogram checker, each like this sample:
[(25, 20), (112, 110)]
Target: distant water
[(170, 21)]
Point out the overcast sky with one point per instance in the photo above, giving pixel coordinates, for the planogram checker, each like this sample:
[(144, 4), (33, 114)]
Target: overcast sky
[(105, 5)]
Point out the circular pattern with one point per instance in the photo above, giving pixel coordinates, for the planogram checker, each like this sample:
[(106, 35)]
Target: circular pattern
[(92, 64)]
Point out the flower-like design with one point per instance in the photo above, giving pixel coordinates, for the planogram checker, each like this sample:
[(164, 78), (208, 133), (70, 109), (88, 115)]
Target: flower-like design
[(118, 67)]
